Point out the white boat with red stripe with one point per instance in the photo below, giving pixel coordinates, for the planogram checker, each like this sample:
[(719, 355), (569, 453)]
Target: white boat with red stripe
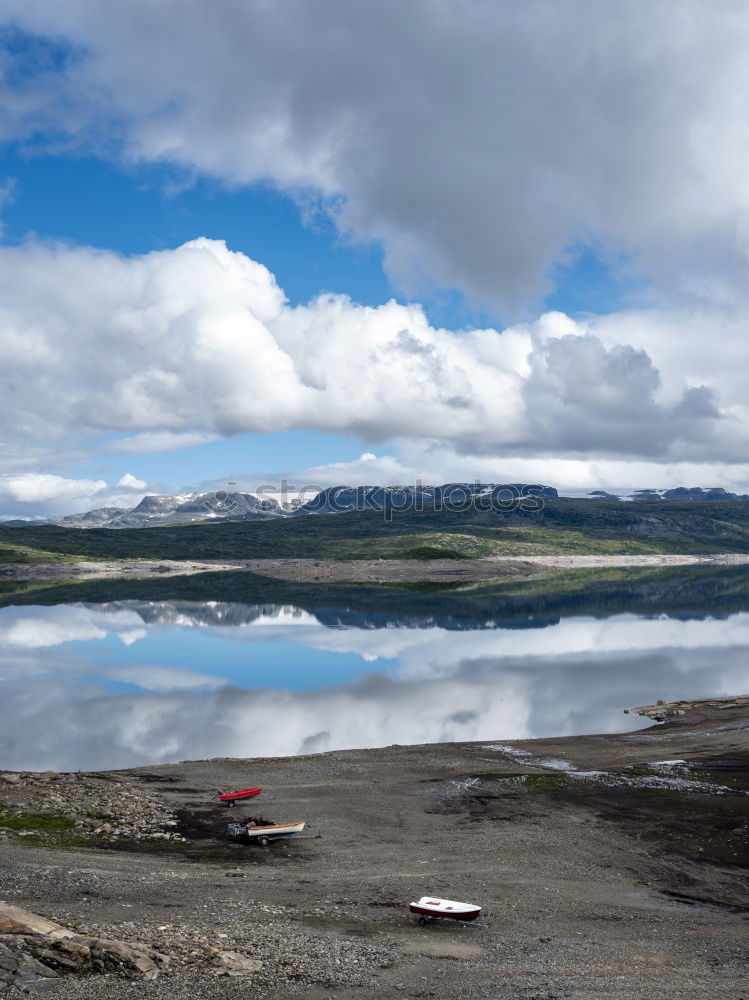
[(432, 908)]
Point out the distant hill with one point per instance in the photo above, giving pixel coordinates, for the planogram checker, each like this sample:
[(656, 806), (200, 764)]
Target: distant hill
[(180, 509), (183, 508), (689, 493), (678, 493)]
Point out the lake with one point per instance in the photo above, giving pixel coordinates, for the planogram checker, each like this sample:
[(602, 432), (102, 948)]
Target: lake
[(93, 685)]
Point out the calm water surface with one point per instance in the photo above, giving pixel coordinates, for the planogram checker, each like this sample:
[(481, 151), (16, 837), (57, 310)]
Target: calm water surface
[(130, 682)]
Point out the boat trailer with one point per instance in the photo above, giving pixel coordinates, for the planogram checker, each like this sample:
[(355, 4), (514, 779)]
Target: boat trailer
[(230, 799), (263, 835)]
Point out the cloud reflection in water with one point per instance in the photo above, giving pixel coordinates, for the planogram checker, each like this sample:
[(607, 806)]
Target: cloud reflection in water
[(82, 685)]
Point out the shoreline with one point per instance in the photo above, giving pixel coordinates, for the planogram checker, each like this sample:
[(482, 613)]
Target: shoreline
[(308, 570)]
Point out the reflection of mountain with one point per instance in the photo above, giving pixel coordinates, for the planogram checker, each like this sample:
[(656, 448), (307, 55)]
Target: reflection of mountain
[(690, 593), (685, 592), (213, 613), (350, 618), (217, 614)]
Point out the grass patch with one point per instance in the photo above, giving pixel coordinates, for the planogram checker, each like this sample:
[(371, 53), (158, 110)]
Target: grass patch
[(14, 553), (39, 822), (549, 783)]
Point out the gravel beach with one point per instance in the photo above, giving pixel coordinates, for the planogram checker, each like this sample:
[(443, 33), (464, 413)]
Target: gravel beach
[(605, 865)]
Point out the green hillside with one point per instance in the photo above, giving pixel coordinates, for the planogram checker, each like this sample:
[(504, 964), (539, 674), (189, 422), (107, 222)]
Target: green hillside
[(563, 526)]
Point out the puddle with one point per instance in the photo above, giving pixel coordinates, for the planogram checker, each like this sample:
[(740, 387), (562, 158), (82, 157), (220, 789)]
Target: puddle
[(669, 900), (552, 763)]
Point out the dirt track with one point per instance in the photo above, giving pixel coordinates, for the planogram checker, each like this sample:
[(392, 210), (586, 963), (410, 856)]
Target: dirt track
[(617, 887)]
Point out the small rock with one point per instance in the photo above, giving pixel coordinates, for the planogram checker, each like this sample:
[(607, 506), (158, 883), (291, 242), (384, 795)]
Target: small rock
[(231, 963)]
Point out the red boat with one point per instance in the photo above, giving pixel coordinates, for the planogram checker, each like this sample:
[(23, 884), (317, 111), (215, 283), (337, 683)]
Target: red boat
[(432, 908), (231, 798)]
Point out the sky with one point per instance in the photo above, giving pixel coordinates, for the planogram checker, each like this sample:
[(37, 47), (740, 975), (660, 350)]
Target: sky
[(370, 243)]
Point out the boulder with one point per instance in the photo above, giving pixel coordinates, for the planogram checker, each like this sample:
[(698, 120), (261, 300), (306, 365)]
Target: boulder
[(68, 954), (35, 946), (120, 956), (232, 963), (15, 920)]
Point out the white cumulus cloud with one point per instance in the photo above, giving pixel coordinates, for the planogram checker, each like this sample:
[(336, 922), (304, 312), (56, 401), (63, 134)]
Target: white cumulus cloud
[(131, 482), (199, 342), (29, 494)]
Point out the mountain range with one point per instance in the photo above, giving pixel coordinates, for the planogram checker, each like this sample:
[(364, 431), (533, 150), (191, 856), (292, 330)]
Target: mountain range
[(222, 505)]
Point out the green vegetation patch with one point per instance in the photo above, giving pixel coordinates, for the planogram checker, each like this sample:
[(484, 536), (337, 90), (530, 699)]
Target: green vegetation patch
[(560, 782), (27, 554), (39, 822)]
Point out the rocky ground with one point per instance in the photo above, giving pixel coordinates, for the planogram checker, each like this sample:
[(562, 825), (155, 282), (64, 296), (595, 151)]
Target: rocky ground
[(605, 865), (358, 570), (106, 807)]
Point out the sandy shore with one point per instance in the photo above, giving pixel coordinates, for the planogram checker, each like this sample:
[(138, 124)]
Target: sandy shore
[(606, 866), (360, 570)]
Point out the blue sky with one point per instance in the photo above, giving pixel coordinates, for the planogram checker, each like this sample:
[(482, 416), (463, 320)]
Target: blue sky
[(134, 210), (572, 195)]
